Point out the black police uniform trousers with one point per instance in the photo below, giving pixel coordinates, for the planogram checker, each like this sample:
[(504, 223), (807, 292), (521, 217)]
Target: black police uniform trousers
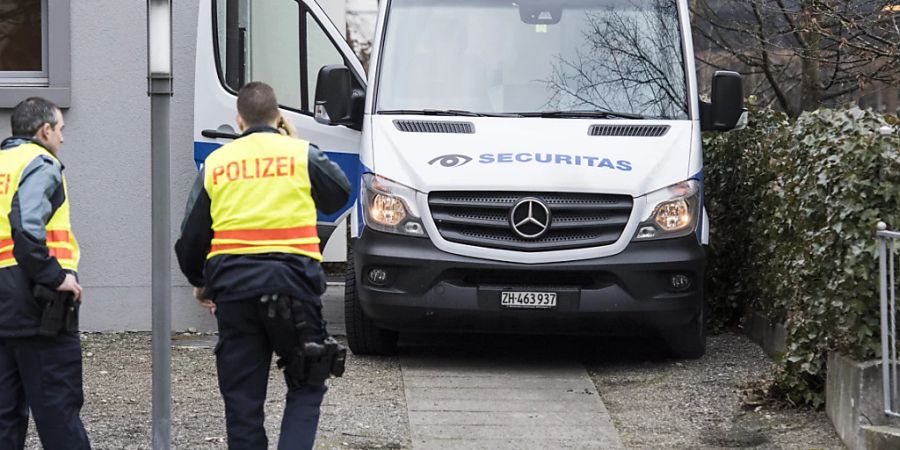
[(42, 374), (243, 358)]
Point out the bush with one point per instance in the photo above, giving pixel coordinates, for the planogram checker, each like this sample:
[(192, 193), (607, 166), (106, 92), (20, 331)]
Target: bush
[(737, 175), (793, 209)]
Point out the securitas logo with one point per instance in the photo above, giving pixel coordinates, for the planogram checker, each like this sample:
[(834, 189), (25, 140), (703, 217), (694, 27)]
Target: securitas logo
[(455, 160)]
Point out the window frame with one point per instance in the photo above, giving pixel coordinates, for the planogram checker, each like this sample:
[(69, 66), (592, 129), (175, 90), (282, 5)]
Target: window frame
[(304, 32), (304, 62), (54, 81)]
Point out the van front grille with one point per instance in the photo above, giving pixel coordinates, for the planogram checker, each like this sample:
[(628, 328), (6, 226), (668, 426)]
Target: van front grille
[(575, 220)]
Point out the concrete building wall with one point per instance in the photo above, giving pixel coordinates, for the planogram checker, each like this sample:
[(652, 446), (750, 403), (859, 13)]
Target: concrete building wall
[(107, 158)]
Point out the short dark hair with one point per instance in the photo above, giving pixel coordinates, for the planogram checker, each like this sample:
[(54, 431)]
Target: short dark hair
[(31, 114), (256, 103)]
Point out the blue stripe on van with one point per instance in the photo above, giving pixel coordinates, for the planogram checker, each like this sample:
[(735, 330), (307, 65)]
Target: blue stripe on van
[(348, 162), (202, 150)]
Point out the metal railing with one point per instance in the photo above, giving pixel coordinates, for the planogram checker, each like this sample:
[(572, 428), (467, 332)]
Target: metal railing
[(886, 257)]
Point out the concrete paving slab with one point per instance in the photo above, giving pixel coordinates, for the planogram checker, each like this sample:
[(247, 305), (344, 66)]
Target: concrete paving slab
[(512, 444), (512, 405), (466, 369), (544, 418), (333, 308), (564, 395), (489, 382), (501, 402), (198, 341), (508, 432)]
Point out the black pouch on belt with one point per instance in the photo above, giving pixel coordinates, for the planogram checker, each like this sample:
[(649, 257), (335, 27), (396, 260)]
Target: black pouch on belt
[(71, 312), (53, 317), (339, 356)]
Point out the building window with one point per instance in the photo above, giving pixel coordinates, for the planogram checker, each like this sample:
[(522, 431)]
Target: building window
[(34, 51), (23, 42)]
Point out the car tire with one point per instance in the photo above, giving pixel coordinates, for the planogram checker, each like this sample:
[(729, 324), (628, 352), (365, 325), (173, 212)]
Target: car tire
[(688, 341)]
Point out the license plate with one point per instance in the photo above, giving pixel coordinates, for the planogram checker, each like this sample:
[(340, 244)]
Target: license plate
[(525, 299)]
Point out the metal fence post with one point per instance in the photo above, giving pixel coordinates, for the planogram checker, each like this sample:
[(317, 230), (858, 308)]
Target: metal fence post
[(882, 267), (890, 383)]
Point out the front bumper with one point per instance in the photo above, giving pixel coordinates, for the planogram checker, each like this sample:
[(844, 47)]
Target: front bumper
[(427, 289)]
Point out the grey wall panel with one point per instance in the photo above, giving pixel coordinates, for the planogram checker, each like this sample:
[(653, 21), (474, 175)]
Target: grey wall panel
[(185, 311), (128, 309)]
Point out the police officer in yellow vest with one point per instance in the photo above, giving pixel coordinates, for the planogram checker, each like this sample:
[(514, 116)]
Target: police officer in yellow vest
[(249, 243), (40, 360)]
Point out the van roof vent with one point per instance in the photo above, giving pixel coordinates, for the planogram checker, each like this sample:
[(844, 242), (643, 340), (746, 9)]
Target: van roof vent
[(434, 126), (628, 130)]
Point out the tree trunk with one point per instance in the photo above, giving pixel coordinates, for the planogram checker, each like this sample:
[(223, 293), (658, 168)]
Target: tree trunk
[(810, 86)]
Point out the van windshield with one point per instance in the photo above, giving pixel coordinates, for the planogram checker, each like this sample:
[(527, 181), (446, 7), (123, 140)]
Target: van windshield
[(534, 56)]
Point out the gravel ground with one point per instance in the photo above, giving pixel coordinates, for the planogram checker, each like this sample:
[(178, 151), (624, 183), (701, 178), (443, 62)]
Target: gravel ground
[(659, 403), (364, 410), (654, 402)]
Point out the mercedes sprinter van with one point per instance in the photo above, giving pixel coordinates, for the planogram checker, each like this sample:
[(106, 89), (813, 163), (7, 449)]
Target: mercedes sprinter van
[(522, 166)]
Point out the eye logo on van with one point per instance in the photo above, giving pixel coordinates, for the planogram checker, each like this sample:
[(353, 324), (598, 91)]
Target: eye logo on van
[(451, 160)]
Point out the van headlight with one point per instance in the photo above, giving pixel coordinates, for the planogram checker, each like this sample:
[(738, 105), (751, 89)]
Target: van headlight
[(390, 207), (672, 211)]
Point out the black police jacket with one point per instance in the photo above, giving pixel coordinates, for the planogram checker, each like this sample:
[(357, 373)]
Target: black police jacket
[(238, 277)]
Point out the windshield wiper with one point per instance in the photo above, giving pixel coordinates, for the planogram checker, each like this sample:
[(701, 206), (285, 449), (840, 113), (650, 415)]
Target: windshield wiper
[(445, 112), (597, 113)]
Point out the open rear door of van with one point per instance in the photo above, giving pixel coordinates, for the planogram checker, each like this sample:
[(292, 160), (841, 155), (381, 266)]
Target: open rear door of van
[(283, 43)]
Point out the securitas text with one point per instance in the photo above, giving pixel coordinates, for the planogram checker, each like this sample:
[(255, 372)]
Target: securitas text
[(555, 158)]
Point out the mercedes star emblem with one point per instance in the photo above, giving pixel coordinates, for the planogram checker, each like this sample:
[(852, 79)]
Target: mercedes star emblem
[(530, 218)]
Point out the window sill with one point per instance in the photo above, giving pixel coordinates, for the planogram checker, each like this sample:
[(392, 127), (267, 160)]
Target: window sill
[(10, 96)]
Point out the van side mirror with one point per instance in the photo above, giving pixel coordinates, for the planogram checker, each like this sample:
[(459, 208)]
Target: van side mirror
[(334, 94), (726, 110)]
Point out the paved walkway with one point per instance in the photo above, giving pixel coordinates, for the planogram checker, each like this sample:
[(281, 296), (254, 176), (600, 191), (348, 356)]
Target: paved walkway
[(489, 402), (333, 308), (503, 403)]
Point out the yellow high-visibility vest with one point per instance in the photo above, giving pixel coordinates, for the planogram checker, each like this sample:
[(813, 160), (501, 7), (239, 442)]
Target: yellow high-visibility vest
[(60, 240), (260, 197)]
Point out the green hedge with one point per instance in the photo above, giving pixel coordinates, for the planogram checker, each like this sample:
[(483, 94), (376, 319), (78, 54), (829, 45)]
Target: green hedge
[(793, 208)]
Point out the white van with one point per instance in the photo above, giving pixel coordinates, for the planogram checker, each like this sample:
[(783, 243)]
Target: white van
[(523, 166)]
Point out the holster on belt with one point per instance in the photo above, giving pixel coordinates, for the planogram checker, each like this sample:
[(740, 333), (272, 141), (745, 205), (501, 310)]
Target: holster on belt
[(59, 310), (308, 362)]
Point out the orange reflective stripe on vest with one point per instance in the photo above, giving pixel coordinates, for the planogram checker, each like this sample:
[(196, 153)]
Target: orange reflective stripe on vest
[(6, 258), (57, 236), (260, 197), (224, 248), (267, 235), (60, 253), (59, 243), (274, 237), (6, 254)]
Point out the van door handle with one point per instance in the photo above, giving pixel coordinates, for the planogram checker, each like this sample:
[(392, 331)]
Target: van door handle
[(216, 134)]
